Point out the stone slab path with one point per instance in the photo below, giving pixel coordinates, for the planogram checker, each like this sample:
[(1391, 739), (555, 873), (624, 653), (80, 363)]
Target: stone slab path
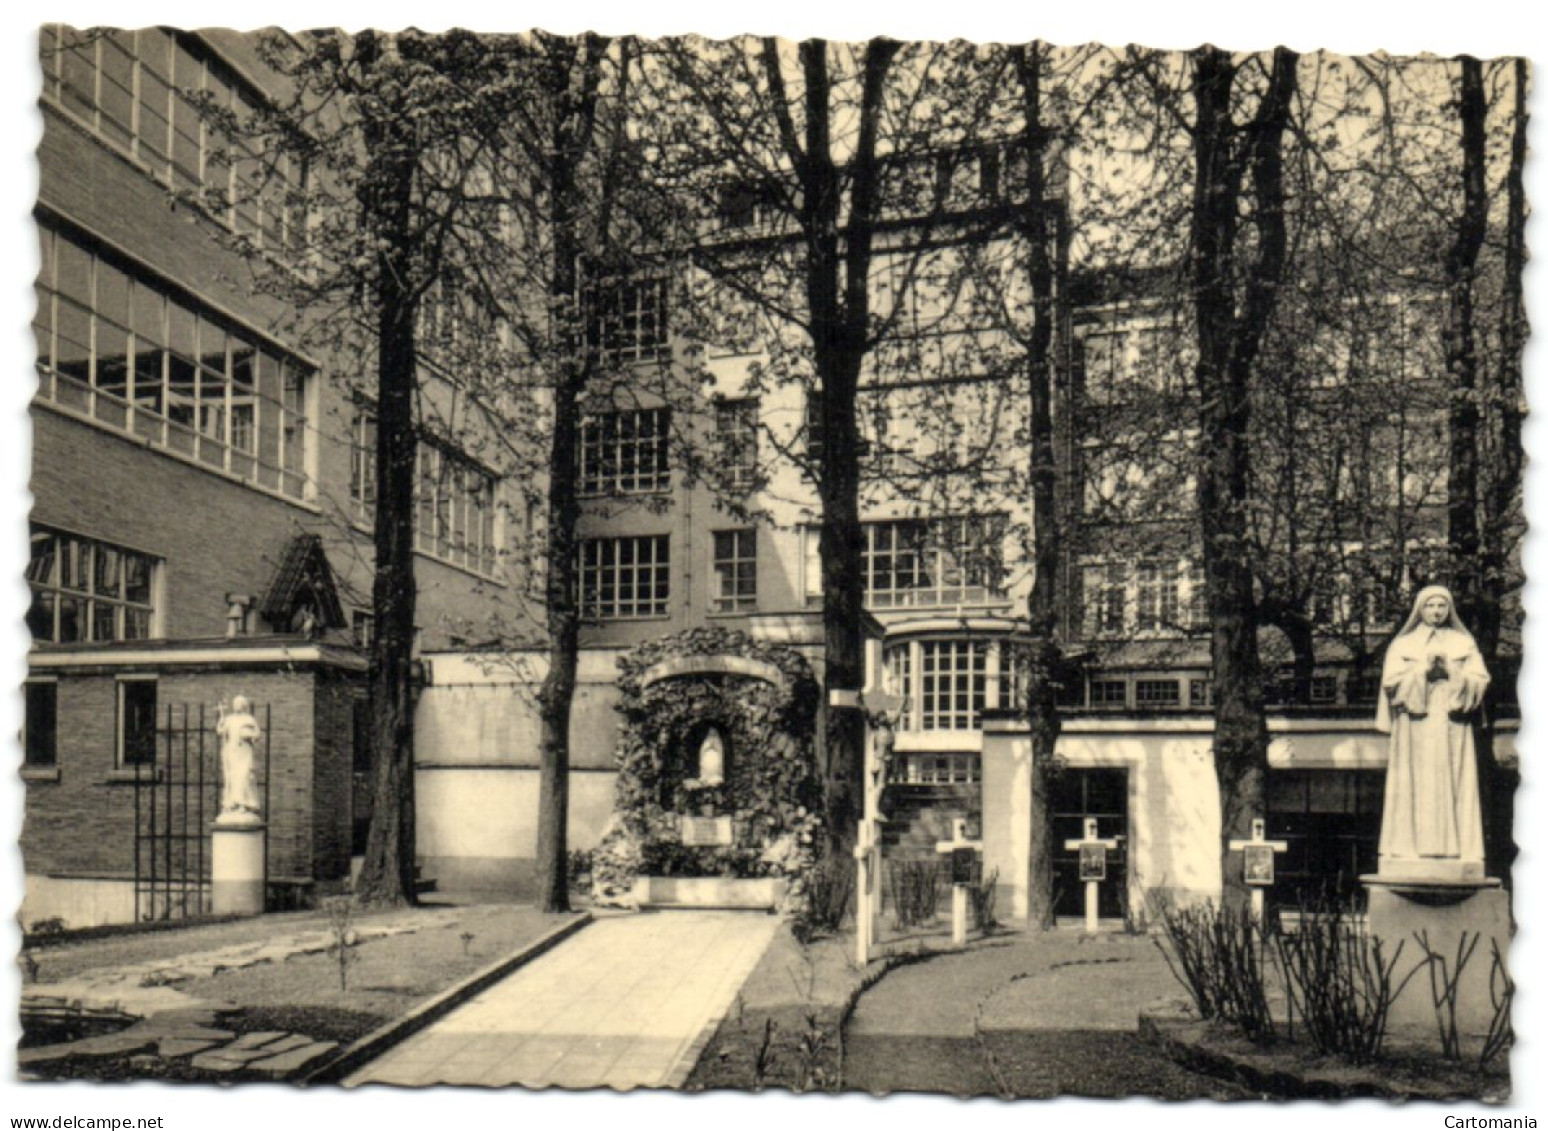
[(193, 1033), (627, 1003)]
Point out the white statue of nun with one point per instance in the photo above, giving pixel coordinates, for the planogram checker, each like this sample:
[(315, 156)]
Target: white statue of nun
[(1433, 678)]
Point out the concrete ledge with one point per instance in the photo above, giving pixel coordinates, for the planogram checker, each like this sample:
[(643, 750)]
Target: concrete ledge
[(1189, 1042), (378, 1041), (710, 892)]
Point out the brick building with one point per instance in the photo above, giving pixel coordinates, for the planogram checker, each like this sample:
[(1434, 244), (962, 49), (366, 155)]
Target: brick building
[(201, 529), (201, 524)]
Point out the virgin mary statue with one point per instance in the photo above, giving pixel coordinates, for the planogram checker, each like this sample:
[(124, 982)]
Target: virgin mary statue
[(1433, 679)]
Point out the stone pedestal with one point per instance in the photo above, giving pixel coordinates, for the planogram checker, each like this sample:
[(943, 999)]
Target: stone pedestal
[(1399, 909), (237, 865)]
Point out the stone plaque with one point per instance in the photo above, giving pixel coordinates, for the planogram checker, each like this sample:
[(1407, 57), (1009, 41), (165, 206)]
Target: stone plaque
[(706, 832)]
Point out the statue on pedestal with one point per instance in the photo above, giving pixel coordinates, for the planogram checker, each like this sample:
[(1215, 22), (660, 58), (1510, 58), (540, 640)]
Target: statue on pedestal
[(1432, 681), (238, 731)]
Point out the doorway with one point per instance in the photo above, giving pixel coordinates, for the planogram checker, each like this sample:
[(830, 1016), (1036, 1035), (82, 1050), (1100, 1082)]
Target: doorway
[(1076, 794)]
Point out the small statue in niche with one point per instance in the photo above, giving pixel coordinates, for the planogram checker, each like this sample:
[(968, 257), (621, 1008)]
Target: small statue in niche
[(712, 758)]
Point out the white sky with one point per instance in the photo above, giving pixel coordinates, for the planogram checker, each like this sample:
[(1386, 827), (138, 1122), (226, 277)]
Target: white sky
[(1483, 27)]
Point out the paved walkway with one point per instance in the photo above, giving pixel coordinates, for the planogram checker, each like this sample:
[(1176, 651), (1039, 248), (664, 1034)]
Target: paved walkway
[(624, 1004)]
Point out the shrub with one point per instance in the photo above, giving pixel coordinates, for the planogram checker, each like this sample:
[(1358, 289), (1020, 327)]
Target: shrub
[(1339, 981), (1217, 956), (912, 885), (982, 896), (830, 889)]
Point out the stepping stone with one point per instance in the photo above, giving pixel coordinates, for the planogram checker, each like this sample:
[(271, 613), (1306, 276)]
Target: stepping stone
[(176, 1019), (182, 1046), (228, 1059), (287, 1063), (112, 1044), (288, 1044), (255, 1040)]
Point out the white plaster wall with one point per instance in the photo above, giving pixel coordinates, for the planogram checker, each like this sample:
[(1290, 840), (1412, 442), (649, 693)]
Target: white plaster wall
[(491, 814), (1174, 810), (80, 903)]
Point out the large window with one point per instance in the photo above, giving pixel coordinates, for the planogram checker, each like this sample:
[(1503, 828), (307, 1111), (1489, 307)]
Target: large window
[(626, 452), (1159, 586), (627, 320), (132, 355), (138, 90), (736, 571), (736, 442), (84, 590), (953, 684), (454, 503), (1331, 820), (947, 683), (948, 561), (1147, 597), (625, 578)]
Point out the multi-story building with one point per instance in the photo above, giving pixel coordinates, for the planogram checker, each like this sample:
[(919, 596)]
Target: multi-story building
[(202, 486), (204, 490)]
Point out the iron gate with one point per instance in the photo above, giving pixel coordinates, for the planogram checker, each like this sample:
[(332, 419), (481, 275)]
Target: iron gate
[(176, 801)]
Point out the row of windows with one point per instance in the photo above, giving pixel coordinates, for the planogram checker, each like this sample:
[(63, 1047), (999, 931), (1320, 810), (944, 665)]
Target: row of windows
[(914, 563), (133, 88), (454, 499), (120, 349), (1145, 596), (947, 684), (84, 590), (628, 452), (135, 732), (630, 578)]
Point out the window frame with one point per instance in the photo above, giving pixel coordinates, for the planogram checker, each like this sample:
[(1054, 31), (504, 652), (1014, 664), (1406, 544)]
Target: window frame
[(44, 768), (87, 555), (121, 760), (602, 585), (620, 457), (731, 570), (186, 374)]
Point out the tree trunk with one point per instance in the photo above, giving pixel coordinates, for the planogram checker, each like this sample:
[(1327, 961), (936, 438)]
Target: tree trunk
[(838, 303), (1502, 526), (573, 128), (1462, 362), (1044, 653), (387, 875), (1228, 343)]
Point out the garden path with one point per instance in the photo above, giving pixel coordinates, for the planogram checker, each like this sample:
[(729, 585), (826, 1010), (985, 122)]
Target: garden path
[(1039, 1014), (627, 1003)]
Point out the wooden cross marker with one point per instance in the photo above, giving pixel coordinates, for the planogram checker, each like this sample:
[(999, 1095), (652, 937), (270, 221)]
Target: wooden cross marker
[(882, 711), (1258, 854), (964, 854), (1093, 851)]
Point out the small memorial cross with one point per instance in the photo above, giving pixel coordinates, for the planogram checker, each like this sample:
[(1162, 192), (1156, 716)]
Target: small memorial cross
[(1093, 851), (1258, 863), (881, 710), (964, 856)]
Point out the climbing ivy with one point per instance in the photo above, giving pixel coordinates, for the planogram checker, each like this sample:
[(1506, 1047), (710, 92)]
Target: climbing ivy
[(770, 789)]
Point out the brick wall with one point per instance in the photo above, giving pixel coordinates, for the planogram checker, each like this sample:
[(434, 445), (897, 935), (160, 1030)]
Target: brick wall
[(331, 780), (83, 823)]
